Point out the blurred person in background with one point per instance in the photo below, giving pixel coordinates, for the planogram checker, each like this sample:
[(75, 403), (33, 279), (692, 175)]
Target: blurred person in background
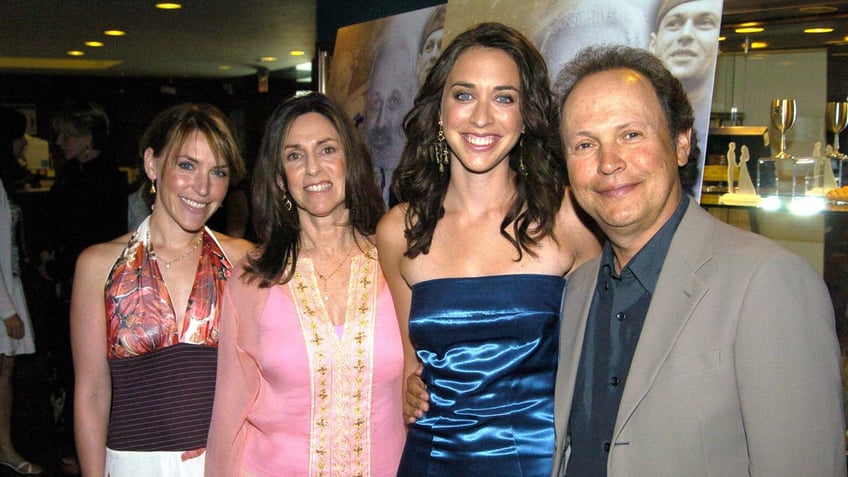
[(16, 337)]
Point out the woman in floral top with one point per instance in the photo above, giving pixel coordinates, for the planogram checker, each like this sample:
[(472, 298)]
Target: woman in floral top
[(145, 308)]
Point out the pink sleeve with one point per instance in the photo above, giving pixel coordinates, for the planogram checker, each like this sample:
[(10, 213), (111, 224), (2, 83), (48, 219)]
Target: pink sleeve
[(237, 381)]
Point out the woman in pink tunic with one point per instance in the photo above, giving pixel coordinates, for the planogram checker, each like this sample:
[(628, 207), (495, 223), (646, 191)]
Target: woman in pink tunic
[(309, 372)]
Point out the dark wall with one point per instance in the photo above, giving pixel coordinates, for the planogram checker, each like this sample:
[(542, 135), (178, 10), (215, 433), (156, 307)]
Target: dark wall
[(132, 102)]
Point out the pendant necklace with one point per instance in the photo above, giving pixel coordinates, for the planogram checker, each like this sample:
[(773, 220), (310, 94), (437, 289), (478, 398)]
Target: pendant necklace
[(168, 263), (325, 278)]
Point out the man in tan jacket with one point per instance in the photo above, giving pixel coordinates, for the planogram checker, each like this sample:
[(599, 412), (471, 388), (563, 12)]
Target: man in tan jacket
[(689, 347)]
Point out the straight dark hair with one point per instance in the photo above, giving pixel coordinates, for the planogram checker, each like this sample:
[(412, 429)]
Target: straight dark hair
[(539, 192), (278, 228)]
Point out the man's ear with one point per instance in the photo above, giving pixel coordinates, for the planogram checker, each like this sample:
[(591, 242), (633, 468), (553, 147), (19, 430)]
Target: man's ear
[(684, 146), (652, 44)]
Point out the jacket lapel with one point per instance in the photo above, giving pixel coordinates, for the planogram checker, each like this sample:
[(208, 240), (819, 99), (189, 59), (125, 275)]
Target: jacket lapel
[(678, 292), (575, 308)]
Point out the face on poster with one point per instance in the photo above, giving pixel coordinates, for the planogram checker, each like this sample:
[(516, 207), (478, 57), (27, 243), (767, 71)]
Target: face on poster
[(374, 76), (683, 33)]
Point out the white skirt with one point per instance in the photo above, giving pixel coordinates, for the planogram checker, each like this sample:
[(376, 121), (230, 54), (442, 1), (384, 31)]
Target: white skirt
[(25, 345), (158, 463)]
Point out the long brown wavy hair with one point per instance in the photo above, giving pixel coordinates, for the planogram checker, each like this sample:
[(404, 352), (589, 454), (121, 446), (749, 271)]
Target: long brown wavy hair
[(278, 228), (539, 192)]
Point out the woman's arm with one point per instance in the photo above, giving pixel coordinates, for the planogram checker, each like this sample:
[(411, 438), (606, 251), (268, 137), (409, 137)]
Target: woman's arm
[(391, 246), (93, 382)]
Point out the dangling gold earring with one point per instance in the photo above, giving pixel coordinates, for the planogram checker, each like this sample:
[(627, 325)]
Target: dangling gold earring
[(441, 149), (288, 203), (522, 169), (153, 187)]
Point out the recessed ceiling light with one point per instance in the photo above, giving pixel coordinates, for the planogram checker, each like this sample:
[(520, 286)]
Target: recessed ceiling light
[(722, 38), (818, 30), (225, 67), (268, 59), (114, 33), (758, 45), (749, 24), (76, 53), (94, 44), (818, 9), (297, 52), (168, 6), (303, 67), (749, 30)]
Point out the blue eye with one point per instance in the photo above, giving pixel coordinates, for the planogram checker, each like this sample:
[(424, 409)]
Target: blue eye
[(220, 172), (463, 96), (185, 165), (504, 99)]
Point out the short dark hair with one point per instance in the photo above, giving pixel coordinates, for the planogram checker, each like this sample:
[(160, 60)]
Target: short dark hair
[(679, 114), (596, 59), (277, 227), (80, 117), (538, 197)]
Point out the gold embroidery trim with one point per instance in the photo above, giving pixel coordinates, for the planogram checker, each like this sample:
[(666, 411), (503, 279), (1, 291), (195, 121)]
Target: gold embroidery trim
[(341, 369)]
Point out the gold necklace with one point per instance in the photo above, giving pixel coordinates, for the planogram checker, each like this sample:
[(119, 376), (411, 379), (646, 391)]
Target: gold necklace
[(325, 278), (168, 263)]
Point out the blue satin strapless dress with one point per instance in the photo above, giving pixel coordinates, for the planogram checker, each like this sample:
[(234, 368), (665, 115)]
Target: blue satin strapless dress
[(489, 348)]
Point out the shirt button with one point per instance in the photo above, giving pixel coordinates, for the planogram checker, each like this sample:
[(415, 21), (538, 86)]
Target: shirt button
[(614, 381), (620, 316), (606, 446)]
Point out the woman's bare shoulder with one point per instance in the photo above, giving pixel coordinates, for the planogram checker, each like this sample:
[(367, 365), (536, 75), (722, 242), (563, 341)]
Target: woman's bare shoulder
[(235, 248), (392, 224), (97, 259)]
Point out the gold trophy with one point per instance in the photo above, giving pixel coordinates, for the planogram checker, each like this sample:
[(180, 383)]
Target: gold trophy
[(783, 117), (836, 117)]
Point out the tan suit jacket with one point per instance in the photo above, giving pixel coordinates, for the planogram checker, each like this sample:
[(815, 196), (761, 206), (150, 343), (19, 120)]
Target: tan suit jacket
[(737, 368)]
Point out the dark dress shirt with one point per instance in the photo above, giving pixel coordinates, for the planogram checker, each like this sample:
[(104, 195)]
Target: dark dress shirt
[(616, 316)]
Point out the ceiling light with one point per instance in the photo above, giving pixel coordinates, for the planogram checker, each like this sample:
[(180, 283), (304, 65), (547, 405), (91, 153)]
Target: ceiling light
[(94, 44), (749, 30), (303, 67), (818, 30), (758, 45), (168, 6), (722, 38), (225, 67), (114, 33), (76, 53), (268, 59), (297, 52)]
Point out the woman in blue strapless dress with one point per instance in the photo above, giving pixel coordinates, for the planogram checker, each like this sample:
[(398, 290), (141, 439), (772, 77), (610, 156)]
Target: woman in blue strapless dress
[(476, 258)]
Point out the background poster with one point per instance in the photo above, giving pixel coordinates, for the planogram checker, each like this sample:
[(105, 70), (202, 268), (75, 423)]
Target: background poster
[(683, 33), (374, 70), (374, 76)]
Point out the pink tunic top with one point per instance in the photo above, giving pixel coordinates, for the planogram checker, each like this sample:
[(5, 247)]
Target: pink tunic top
[(293, 398)]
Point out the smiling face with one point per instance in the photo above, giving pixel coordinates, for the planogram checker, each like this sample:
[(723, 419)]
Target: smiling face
[(481, 109), (190, 186), (687, 39), (621, 161), (314, 165)]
